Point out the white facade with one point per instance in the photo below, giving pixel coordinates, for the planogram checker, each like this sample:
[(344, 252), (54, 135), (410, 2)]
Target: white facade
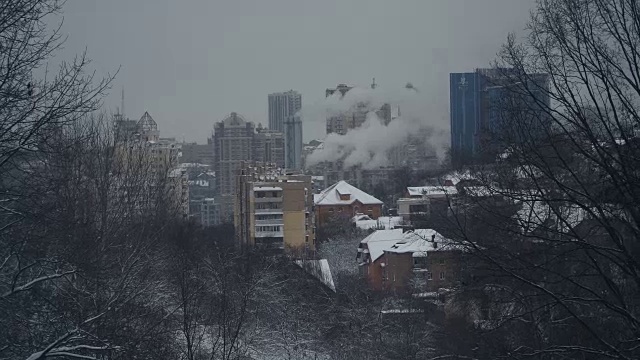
[(283, 107)]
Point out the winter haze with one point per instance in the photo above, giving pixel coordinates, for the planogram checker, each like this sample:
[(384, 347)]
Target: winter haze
[(191, 62)]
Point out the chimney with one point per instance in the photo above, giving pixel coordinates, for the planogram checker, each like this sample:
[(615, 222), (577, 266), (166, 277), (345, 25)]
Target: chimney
[(435, 245), (433, 238)]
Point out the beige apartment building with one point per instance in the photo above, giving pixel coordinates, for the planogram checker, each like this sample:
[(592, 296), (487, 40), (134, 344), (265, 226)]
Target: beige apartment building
[(274, 211)]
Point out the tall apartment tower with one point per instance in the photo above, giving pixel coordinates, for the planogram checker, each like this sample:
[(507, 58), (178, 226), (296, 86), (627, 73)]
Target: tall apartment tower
[(233, 144), (479, 104), (268, 147), (284, 117), (293, 143), (273, 211), (282, 107)]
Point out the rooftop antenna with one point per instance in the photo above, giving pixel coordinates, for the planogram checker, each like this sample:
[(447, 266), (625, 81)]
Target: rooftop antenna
[(122, 103)]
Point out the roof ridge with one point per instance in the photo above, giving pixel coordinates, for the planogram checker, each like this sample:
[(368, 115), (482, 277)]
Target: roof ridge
[(325, 192)]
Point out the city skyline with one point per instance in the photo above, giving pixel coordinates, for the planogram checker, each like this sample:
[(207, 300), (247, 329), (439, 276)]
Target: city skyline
[(180, 62)]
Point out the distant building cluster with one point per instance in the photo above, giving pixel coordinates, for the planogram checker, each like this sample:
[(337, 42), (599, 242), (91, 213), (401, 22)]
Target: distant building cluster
[(236, 141), (355, 116), (139, 143)]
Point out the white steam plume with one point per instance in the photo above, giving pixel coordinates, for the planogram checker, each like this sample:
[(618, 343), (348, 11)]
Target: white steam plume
[(369, 144)]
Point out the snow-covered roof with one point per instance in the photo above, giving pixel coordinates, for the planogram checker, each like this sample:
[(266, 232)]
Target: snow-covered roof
[(386, 222), (527, 172), (381, 240), (267, 188), (331, 195), (432, 190), (480, 191), (419, 242), (457, 176), (535, 213), (319, 269), (192, 165)]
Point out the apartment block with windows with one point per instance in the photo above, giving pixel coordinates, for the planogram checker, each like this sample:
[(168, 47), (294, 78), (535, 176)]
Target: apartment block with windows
[(274, 211)]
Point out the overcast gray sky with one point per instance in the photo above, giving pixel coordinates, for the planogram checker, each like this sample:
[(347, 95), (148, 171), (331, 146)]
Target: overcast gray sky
[(190, 62)]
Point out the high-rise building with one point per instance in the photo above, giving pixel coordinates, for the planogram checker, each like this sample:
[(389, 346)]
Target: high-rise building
[(284, 117), (233, 144), (197, 153), (273, 211), (268, 147), (140, 147), (481, 105), (356, 116), (235, 141), (293, 143), (283, 106)]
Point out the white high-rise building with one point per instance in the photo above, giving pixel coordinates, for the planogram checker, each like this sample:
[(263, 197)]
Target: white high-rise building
[(283, 106), (284, 118)]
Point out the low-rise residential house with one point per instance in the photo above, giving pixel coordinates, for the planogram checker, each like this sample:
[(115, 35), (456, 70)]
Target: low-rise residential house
[(403, 261), (370, 255), (420, 202), (345, 200)]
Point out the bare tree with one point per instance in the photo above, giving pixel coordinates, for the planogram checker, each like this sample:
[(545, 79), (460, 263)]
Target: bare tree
[(79, 272), (561, 269)]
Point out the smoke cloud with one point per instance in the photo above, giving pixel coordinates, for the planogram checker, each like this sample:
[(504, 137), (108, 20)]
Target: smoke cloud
[(368, 146)]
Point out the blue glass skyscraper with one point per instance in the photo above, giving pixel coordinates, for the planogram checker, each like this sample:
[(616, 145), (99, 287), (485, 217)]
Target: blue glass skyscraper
[(465, 115), (484, 103)]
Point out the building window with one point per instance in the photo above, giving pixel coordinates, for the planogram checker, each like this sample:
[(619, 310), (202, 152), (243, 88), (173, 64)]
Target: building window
[(442, 261), (330, 210), (429, 276), (442, 275)]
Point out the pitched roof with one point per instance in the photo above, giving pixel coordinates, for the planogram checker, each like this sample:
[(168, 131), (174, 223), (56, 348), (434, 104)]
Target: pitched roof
[(416, 242), (331, 195), (378, 241), (147, 123)]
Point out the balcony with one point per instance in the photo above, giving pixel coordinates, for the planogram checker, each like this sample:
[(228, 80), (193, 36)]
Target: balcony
[(268, 211), (269, 234), (269, 222), (268, 199)]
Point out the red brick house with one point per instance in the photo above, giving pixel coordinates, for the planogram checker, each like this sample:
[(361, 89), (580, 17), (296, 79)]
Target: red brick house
[(392, 259), (343, 199)]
